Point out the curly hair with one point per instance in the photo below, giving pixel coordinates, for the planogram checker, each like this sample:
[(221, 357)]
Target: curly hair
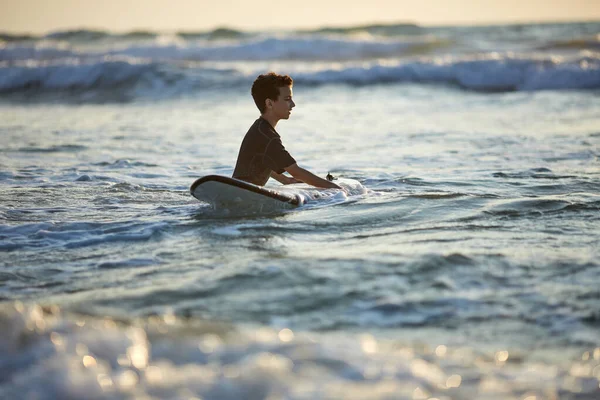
[(267, 87)]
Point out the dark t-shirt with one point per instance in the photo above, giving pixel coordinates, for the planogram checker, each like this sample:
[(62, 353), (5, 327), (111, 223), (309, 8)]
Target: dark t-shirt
[(261, 152)]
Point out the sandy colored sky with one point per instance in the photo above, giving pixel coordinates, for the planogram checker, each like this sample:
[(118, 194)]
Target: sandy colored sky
[(42, 16)]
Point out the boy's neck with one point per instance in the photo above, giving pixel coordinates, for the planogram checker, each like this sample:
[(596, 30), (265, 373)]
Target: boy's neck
[(270, 119)]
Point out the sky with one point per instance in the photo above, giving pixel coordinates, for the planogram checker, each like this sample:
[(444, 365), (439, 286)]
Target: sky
[(43, 16)]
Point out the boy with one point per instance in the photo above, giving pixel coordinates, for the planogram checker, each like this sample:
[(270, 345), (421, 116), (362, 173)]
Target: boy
[(262, 154)]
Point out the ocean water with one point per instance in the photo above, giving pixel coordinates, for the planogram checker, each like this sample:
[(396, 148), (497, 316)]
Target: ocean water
[(468, 269)]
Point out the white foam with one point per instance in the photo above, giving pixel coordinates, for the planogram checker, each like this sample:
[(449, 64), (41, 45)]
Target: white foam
[(315, 197)]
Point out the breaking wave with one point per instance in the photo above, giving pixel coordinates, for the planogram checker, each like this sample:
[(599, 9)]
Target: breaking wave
[(493, 72), (145, 63)]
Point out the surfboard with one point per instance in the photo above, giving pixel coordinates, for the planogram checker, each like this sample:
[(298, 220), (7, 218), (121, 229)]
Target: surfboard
[(230, 193)]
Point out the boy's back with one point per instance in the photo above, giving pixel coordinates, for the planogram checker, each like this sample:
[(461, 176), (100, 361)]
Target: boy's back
[(260, 153)]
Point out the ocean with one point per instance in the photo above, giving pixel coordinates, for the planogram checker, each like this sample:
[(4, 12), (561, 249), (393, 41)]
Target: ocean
[(468, 269)]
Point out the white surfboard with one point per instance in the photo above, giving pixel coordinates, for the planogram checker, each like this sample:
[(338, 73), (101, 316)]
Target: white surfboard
[(239, 196), (229, 193)]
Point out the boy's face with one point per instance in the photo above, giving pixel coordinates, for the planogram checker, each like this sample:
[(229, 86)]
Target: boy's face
[(282, 108)]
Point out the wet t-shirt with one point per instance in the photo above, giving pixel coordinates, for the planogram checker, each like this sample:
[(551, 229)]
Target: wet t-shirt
[(261, 152)]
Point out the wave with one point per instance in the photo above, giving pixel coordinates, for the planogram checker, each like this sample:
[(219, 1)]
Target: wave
[(535, 31), (75, 235), (79, 34), (53, 149), (215, 34), (325, 44), (134, 76), (549, 205), (491, 72), (591, 43), (254, 49), (281, 49), (101, 75), (534, 173), (35, 52), (95, 35), (91, 35), (9, 37), (373, 29), (333, 44)]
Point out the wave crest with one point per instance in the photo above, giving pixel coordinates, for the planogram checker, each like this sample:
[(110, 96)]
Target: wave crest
[(486, 73), (130, 75)]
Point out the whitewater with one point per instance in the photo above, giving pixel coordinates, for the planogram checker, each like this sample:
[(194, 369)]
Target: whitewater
[(466, 266)]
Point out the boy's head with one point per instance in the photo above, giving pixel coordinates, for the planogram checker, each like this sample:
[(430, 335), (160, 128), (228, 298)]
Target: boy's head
[(267, 87)]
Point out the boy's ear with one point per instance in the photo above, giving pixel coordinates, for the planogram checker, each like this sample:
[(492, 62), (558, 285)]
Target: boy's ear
[(269, 103)]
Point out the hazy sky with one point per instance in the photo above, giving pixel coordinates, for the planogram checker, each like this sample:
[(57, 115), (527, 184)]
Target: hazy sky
[(40, 16)]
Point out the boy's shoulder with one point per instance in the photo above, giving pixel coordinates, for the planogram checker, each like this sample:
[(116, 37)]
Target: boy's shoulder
[(263, 128)]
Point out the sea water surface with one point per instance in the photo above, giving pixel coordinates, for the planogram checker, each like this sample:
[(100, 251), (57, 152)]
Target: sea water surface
[(468, 270)]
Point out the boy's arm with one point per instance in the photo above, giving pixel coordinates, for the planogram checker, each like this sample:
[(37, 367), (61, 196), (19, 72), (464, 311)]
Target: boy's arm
[(308, 177), (286, 180)]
